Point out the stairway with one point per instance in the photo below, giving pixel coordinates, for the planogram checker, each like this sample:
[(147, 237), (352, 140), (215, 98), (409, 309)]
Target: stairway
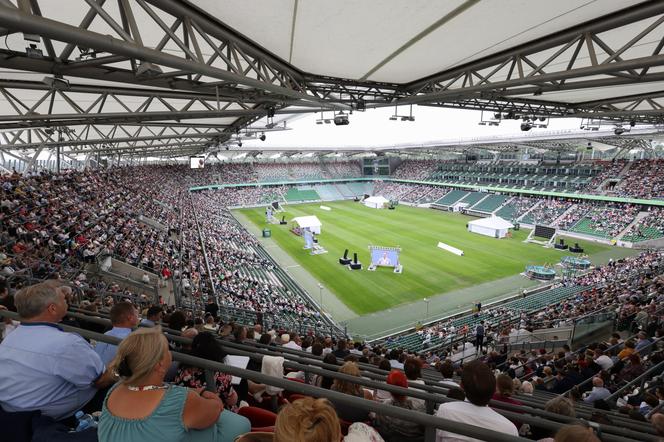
[(555, 221), (625, 169), (537, 204), (637, 220)]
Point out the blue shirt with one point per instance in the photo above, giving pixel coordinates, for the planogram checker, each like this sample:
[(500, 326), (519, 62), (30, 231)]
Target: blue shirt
[(44, 368), (107, 351), (641, 344), (147, 323), (596, 394)]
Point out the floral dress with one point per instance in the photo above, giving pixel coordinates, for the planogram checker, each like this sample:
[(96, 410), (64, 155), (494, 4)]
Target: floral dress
[(193, 377)]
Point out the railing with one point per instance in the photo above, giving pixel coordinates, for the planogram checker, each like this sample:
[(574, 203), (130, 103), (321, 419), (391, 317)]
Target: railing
[(126, 279), (211, 286), (608, 350), (640, 380), (432, 395)]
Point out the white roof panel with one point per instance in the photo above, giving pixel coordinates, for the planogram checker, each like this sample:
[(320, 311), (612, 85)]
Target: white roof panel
[(399, 41), (307, 221)]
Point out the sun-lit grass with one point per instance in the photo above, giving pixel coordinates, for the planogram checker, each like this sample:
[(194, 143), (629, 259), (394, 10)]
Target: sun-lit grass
[(428, 270)]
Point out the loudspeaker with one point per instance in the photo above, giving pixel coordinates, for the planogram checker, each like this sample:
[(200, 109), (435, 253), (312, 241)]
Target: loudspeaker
[(355, 265), (576, 248), (344, 259)]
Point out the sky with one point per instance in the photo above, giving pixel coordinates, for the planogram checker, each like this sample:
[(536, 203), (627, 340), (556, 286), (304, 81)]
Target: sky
[(373, 128)]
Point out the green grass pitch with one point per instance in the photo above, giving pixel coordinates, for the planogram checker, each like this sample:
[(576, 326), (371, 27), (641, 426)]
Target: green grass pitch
[(428, 270)]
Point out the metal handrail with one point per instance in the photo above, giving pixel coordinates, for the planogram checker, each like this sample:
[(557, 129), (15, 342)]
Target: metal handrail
[(544, 419), (638, 380), (568, 392)]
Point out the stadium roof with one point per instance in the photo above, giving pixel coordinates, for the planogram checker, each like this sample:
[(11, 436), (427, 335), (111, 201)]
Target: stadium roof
[(167, 77)]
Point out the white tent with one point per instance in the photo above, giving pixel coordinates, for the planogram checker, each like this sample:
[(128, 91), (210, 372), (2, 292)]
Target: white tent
[(376, 202), (495, 226), (310, 222)]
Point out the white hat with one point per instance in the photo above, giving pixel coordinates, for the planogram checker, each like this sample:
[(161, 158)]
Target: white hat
[(285, 338)]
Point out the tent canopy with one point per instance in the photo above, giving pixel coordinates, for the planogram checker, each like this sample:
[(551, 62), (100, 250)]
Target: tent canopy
[(494, 222), (377, 200), (310, 221)]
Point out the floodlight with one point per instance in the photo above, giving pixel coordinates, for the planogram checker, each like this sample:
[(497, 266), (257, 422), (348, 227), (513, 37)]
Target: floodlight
[(33, 51), (148, 69), (341, 119), (57, 83)]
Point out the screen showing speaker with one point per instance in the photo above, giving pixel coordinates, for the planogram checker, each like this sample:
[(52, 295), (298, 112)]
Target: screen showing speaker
[(197, 162)]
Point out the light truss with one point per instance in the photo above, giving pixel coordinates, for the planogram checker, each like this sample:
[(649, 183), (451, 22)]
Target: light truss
[(216, 73), (578, 59), (115, 137)]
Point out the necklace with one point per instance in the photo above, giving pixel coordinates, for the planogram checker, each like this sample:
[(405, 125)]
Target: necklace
[(147, 387)]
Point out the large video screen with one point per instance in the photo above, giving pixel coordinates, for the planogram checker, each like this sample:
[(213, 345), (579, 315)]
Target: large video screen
[(376, 166), (197, 162), (383, 257)]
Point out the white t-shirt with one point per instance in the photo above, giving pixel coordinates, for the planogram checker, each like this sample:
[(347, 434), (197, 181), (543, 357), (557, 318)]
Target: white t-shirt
[(468, 413), (293, 345), (605, 362)]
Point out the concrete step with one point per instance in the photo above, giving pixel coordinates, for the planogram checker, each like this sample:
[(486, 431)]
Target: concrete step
[(639, 217)]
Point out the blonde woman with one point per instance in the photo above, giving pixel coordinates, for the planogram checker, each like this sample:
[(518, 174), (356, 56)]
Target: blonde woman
[(351, 414), (307, 420), (142, 407)]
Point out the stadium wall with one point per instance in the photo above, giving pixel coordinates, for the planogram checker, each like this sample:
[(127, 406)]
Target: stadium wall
[(504, 190)]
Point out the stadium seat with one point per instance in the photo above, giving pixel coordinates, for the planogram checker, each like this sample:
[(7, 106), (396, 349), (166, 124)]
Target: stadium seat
[(258, 417)]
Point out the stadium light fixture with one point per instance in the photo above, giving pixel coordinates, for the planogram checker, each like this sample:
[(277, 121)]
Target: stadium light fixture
[(341, 119), (526, 126), (619, 129)]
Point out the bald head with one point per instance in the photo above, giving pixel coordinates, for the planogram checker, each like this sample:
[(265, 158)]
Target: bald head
[(598, 382)]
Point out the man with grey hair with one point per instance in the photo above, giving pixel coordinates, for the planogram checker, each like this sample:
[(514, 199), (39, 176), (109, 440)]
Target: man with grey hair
[(44, 368), (598, 392)]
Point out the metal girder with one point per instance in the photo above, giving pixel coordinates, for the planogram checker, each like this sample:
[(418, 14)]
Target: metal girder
[(109, 140), (22, 121), (107, 149), (215, 67), (501, 74), (276, 83)]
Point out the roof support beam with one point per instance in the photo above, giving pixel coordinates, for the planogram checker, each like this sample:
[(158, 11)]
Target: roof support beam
[(90, 142), (15, 19)]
